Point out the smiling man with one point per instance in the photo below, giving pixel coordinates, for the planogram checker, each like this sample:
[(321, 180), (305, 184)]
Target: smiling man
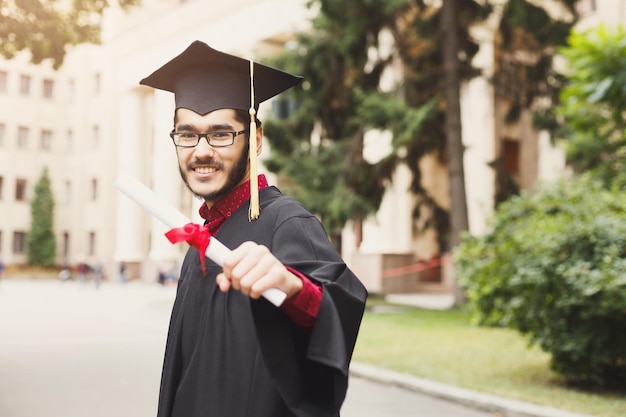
[(230, 353)]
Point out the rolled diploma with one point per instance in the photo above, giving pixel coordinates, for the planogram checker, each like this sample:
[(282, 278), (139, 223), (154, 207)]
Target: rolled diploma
[(149, 200)]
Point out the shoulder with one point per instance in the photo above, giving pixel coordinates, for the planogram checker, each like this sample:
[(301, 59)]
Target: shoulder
[(275, 204)]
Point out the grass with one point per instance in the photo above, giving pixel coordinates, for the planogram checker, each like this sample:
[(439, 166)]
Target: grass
[(444, 346)]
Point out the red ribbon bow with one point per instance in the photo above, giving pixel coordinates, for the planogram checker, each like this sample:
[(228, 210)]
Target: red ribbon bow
[(196, 235)]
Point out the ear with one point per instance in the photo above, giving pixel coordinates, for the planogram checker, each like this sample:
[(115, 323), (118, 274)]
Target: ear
[(259, 140)]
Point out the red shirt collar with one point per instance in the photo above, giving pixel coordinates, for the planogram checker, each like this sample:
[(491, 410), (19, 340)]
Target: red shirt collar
[(226, 206)]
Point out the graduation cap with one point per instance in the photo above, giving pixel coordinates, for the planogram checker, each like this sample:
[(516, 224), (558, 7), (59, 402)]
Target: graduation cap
[(204, 79)]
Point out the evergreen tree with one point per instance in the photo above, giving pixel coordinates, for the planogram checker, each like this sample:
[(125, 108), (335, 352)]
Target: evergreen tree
[(343, 60), (330, 175), (525, 78), (41, 239)]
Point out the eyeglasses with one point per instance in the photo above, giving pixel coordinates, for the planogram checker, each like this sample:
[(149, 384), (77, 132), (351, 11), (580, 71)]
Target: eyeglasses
[(215, 139)]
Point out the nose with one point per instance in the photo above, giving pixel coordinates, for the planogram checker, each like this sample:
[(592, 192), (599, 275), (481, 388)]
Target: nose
[(203, 147)]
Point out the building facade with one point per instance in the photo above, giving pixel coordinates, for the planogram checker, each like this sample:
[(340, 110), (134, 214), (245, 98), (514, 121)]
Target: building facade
[(91, 121)]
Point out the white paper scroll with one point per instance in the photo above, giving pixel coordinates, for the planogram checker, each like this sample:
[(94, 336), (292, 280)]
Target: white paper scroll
[(172, 218)]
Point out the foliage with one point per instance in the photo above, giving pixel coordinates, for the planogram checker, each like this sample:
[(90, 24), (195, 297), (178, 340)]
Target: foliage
[(554, 268), (343, 60), (41, 240), (525, 77), (593, 104), (47, 27), (528, 38)]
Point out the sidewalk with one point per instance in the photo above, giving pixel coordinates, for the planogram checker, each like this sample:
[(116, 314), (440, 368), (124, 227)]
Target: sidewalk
[(74, 362), (500, 406)]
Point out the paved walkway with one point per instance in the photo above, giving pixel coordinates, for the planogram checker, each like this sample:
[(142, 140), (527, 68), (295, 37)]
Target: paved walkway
[(74, 350)]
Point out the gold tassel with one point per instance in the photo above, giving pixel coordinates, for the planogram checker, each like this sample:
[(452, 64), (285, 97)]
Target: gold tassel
[(254, 212)]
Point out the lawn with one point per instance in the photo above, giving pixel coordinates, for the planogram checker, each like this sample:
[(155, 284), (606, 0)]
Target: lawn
[(444, 346)]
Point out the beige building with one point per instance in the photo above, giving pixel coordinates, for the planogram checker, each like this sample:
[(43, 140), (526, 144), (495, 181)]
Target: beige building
[(90, 122)]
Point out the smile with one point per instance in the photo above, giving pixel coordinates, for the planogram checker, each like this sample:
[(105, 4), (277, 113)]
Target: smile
[(205, 170)]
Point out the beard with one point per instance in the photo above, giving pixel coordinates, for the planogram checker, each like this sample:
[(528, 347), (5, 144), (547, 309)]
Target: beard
[(234, 176)]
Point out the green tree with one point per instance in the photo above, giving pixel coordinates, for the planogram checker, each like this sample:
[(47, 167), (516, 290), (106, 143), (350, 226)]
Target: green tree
[(41, 240), (330, 174), (46, 27), (553, 267), (343, 60), (593, 104), (525, 78)]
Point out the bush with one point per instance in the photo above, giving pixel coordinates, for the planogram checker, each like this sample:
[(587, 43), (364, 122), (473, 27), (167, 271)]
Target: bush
[(554, 268)]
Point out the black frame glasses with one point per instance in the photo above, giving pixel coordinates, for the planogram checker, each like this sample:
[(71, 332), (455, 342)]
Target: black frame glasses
[(217, 139)]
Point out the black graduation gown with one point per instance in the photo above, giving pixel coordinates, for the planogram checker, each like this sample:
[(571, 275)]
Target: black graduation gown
[(230, 356)]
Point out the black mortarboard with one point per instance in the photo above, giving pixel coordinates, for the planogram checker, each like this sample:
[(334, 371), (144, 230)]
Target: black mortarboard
[(204, 79)]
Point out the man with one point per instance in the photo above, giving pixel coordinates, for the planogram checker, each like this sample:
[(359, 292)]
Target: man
[(231, 353)]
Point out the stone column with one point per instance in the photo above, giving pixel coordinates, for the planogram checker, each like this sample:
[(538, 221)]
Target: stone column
[(130, 227), (166, 179)]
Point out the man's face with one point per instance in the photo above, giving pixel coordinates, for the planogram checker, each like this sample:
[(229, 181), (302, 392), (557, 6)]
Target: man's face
[(210, 173)]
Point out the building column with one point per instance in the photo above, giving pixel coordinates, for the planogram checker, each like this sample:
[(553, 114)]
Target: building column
[(166, 180), (130, 232)]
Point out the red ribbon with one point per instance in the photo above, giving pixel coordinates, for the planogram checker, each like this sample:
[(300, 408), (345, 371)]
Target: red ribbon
[(196, 235)]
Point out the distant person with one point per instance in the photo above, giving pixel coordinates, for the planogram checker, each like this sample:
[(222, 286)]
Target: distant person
[(81, 271), (97, 274), (1, 269), (122, 275), (65, 274)]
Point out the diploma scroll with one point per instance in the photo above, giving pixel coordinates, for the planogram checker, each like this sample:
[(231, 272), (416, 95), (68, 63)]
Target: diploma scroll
[(172, 218)]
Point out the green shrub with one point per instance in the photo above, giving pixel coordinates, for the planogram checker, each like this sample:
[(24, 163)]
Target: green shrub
[(554, 268)]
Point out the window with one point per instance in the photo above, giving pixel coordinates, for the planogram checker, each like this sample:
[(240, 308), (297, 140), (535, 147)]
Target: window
[(95, 131), (20, 189), (70, 140), (19, 243), (71, 92), (67, 192), (91, 248), (585, 7), (25, 85), (2, 134), (283, 107), (3, 81), (22, 137), (510, 156), (65, 248), (48, 88), (96, 84), (94, 189), (46, 140)]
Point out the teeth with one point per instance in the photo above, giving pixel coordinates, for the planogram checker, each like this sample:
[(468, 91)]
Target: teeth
[(205, 170)]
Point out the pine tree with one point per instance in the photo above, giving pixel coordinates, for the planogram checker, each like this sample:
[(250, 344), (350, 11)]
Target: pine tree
[(41, 239), (343, 60), (525, 78)]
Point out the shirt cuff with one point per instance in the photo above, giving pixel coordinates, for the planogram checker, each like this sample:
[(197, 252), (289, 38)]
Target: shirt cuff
[(303, 307)]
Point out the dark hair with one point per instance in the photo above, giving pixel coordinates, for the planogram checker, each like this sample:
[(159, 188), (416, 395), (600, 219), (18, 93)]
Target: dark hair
[(243, 116)]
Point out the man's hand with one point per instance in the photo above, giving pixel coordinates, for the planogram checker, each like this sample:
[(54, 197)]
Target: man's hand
[(252, 269)]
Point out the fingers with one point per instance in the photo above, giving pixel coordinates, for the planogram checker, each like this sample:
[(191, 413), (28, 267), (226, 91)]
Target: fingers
[(252, 269), (222, 282)]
